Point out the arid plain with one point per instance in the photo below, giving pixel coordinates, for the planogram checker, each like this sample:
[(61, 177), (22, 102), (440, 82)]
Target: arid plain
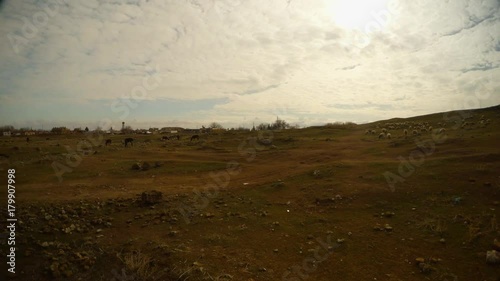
[(320, 203)]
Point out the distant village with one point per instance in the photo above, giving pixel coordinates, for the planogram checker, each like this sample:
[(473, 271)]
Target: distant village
[(9, 131)]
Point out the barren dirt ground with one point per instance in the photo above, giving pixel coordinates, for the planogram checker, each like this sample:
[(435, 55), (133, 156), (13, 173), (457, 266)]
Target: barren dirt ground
[(313, 205)]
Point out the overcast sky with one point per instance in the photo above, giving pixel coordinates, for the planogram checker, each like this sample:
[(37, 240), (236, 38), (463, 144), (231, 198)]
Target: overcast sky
[(190, 62)]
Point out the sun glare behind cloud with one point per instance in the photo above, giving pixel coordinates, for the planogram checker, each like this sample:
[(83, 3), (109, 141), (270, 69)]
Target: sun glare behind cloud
[(356, 14)]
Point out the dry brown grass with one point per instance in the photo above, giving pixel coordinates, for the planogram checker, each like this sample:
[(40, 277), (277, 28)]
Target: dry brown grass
[(238, 241), (434, 225), (473, 232), (139, 265)]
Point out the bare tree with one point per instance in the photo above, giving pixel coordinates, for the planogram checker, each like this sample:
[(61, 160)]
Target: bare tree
[(7, 128), (215, 125), (280, 125), (263, 126)]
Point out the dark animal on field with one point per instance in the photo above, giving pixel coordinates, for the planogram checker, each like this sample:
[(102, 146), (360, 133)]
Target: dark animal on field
[(27, 139), (129, 140), (195, 137), (165, 138), (108, 141)]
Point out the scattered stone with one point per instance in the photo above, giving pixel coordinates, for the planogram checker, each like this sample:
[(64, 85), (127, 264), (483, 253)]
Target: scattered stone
[(425, 268), (388, 214), (435, 260), (325, 201), (496, 245), (388, 228), (340, 241), (278, 183), (442, 240), (224, 277), (492, 257), (265, 141), (146, 166), (151, 197), (137, 166), (275, 250)]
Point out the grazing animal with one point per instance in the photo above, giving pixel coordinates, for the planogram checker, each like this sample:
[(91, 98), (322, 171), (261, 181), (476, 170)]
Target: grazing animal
[(442, 130), (129, 140), (415, 132), (108, 141), (389, 135), (165, 138), (381, 136), (27, 139), (195, 137)]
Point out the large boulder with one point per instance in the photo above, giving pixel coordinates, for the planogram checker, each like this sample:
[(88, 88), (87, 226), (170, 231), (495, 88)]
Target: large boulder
[(137, 166), (151, 197), (265, 141)]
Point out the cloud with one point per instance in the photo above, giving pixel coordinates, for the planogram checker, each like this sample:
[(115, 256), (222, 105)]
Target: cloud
[(246, 59), (349, 67), (481, 67)]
